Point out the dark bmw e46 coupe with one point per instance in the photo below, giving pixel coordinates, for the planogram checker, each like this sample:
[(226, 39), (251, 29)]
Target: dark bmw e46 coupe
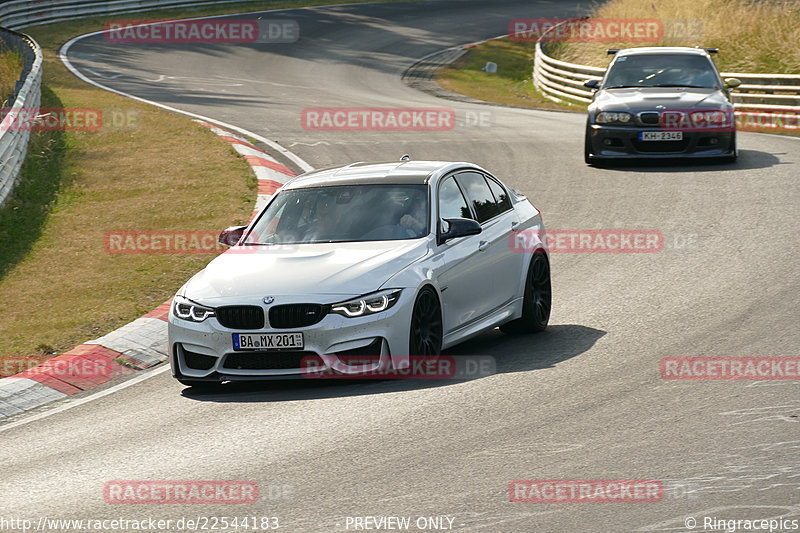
[(661, 102)]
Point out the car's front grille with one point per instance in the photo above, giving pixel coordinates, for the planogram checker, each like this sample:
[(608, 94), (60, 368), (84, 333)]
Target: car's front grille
[(649, 118), (660, 146), (241, 316), (271, 360), (198, 361), (296, 315)]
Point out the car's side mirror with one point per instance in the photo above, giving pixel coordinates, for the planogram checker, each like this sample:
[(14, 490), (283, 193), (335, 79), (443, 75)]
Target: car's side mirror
[(591, 84), (230, 236), (458, 227), (732, 83)]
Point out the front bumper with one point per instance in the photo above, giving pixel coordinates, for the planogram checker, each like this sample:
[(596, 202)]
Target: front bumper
[(204, 351), (615, 142)]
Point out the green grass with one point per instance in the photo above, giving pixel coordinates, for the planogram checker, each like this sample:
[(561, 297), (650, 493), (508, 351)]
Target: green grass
[(752, 36), (510, 85)]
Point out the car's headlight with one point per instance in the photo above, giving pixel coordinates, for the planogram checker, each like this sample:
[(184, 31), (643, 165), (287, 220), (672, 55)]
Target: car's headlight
[(604, 117), (188, 310), (368, 304)]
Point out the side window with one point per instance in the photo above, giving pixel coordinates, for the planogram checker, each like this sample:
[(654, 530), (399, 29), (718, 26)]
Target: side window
[(479, 194), (451, 202), (500, 195)]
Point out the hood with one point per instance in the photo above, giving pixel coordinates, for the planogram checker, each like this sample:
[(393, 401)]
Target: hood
[(341, 269), (647, 98)]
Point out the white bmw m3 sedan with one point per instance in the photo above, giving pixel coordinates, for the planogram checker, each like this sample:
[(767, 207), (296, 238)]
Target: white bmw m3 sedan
[(386, 260)]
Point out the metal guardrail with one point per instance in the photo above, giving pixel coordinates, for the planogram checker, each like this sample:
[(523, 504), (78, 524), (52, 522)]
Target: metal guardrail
[(26, 99), (17, 14), (559, 80)]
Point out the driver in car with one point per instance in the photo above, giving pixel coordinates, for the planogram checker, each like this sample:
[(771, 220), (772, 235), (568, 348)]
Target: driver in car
[(414, 222), (700, 77), (326, 223)]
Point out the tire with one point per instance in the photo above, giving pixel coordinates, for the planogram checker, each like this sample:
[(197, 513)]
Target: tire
[(426, 332), (538, 299), (200, 384), (732, 158)]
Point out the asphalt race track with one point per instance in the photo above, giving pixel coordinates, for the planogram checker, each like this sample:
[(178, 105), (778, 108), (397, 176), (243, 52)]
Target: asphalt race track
[(582, 401)]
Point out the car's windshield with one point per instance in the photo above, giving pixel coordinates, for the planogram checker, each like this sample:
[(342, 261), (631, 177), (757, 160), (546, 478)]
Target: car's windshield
[(662, 70), (344, 213)]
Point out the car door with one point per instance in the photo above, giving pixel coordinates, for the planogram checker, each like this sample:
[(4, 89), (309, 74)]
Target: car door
[(500, 264), (510, 263), (458, 263)]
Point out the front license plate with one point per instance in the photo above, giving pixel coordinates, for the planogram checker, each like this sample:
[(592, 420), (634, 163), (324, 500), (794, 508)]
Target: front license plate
[(267, 341), (660, 135)]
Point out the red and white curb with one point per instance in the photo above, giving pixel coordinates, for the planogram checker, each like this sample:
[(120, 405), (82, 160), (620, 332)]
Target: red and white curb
[(135, 346)]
